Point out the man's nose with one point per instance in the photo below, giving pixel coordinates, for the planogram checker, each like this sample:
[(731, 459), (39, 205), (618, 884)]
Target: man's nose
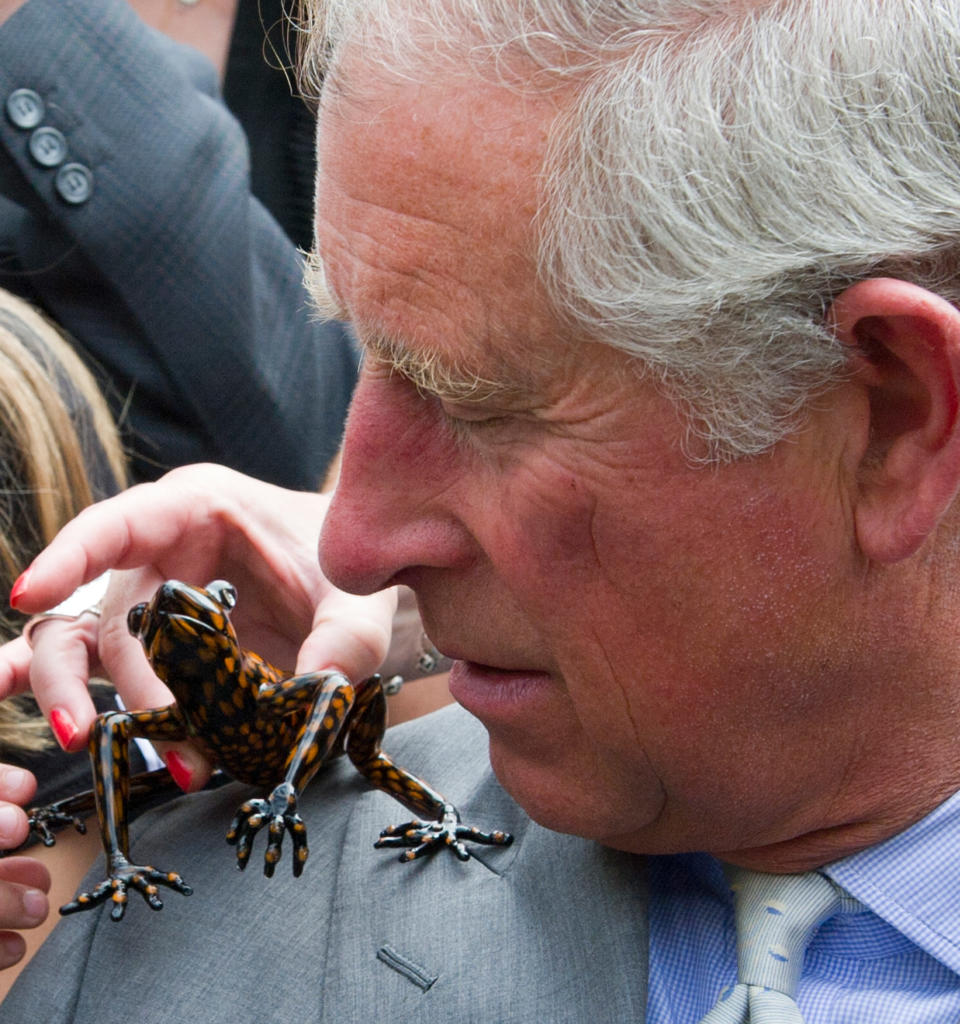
[(392, 510)]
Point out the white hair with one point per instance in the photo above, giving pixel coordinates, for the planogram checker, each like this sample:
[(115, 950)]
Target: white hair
[(723, 171)]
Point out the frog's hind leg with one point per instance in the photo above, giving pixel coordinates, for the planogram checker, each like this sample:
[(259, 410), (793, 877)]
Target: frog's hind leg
[(109, 751), (444, 828), (328, 698)]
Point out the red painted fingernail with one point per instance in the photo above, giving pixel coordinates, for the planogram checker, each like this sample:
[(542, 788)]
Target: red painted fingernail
[(19, 588), (179, 770), (64, 727)]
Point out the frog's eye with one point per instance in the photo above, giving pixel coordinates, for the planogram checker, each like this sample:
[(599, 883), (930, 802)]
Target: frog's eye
[(135, 618), (224, 593)]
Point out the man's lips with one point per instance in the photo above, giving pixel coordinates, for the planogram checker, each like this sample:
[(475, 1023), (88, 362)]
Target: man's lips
[(489, 692), (497, 662)]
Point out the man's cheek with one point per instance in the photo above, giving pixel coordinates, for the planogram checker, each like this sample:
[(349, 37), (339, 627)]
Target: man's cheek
[(544, 531)]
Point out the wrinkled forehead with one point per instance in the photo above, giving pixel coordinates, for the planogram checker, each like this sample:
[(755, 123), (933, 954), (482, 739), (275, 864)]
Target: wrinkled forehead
[(427, 198), (445, 171)]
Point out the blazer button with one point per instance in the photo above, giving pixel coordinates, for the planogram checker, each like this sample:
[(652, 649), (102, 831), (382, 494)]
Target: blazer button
[(48, 146), (74, 182), (25, 108)]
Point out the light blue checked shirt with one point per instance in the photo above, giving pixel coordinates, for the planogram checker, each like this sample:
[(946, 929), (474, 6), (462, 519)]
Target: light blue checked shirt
[(897, 962)]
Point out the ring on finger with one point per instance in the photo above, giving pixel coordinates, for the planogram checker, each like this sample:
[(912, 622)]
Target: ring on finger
[(85, 600)]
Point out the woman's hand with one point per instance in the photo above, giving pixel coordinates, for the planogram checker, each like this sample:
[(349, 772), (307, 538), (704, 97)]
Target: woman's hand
[(196, 524), (23, 881)]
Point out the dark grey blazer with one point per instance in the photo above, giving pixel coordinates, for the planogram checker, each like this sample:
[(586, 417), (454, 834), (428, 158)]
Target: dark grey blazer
[(126, 213), (548, 931)]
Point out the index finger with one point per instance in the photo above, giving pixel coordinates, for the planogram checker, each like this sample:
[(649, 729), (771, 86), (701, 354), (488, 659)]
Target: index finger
[(121, 532)]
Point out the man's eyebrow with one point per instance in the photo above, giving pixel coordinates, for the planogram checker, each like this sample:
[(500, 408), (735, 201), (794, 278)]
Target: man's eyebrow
[(431, 373), (324, 303)]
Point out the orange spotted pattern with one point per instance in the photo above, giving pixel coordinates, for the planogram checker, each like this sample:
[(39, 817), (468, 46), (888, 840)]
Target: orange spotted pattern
[(260, 725)]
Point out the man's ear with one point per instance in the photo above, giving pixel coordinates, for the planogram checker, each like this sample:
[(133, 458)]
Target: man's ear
[(905, 350)]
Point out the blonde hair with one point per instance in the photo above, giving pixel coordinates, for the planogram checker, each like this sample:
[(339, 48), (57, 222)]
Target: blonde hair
[(59, 452)]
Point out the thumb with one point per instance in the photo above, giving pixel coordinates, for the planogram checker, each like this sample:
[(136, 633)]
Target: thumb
[(350, 633)]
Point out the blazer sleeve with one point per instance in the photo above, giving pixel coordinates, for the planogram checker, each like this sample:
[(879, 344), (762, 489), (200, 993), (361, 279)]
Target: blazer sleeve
[(126, 213)]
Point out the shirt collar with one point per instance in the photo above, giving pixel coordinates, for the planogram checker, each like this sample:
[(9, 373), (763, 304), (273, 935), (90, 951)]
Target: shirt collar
[(912, 880)]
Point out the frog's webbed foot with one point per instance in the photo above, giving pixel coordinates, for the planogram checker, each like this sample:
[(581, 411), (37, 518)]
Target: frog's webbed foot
[(279, 813), (43, 820), (425, 837), (125, 876)]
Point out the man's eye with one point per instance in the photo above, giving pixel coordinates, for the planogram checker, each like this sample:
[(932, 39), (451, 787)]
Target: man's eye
[(470, 412)]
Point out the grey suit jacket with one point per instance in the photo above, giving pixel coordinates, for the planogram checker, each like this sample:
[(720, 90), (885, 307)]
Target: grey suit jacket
[(126, 213), (549, 930)]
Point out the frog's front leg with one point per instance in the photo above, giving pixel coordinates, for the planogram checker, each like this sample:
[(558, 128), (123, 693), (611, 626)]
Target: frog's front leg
[(329, 697), (70, 811), (73, 810), (444, 828), (109, 742)]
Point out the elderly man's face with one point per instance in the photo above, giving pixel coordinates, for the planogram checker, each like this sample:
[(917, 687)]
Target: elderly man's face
[(648, 643)]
